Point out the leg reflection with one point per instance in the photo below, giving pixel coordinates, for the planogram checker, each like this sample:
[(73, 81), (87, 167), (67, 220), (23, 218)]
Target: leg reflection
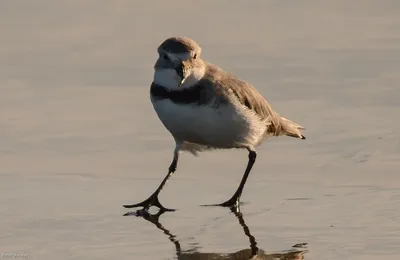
[(154, 218), (252, 239), (295, 253)]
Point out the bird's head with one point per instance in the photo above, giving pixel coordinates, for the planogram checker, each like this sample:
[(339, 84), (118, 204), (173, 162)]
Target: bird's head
[(179, 64)]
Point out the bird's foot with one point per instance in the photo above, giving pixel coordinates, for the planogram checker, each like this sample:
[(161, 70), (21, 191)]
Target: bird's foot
[(233, 204), (151, 201), (144, 213)]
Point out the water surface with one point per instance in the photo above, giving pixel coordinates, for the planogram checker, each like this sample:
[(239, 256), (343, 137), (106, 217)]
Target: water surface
[(79, 137)]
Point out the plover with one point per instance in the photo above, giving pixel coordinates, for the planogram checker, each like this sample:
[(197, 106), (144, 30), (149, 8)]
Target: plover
[(205, 107)]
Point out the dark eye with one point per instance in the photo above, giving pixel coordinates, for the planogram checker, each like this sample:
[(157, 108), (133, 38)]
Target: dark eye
[(195, 56), (165, 56)]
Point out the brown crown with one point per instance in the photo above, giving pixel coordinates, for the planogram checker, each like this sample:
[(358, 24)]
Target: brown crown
[(180, 45)]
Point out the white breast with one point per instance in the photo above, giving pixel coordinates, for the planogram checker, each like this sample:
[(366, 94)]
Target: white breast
[(224, 127)]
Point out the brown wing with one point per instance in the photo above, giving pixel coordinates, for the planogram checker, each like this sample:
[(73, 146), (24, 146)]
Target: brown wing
[(226, 84), (228, 88)]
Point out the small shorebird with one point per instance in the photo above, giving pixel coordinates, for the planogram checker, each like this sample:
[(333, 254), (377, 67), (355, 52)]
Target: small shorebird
[(204, 107)]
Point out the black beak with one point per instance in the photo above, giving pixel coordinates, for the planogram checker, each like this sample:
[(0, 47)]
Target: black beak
[(179, 70)]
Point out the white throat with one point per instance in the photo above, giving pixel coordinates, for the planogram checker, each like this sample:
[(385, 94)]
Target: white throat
[(167, 78)]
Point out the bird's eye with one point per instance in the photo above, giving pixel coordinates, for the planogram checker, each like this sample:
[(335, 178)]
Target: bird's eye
[(195, 56), (165, 56)]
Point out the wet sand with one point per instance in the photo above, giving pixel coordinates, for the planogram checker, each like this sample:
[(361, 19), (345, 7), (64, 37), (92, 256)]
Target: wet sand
[(79, 137)]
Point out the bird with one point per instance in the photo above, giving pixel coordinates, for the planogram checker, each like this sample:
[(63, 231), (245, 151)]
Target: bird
[(205, 107)]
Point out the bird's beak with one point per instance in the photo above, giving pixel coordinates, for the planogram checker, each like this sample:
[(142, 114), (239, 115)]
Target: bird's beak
[(183, 80), (180, 72)]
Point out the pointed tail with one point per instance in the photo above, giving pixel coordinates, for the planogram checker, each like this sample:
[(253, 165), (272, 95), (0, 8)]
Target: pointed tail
[(291, 129)]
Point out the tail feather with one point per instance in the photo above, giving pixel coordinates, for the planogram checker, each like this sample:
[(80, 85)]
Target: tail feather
[(292, 123), (296, 136), (291, 128)]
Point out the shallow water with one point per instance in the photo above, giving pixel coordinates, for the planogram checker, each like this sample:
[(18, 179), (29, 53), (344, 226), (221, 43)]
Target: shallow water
[(79, 137)]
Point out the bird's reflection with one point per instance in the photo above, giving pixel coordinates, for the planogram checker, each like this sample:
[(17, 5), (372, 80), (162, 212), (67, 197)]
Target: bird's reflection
[(296, 252)]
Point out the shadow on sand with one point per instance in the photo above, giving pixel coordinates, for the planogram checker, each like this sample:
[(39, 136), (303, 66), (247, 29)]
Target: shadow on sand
[(296, 252)]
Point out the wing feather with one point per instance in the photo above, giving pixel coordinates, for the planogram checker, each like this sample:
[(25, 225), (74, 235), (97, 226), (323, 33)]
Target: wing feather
[(225, 84)]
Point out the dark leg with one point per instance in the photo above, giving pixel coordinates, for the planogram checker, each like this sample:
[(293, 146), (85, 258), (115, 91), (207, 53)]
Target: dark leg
[(153, 199), (234, 201)]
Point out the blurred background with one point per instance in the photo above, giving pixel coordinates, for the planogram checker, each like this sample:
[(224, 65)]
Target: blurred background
[(79, 137)]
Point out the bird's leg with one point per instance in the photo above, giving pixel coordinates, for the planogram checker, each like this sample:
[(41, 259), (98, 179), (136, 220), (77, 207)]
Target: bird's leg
[(234, 201), (153, 199)]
